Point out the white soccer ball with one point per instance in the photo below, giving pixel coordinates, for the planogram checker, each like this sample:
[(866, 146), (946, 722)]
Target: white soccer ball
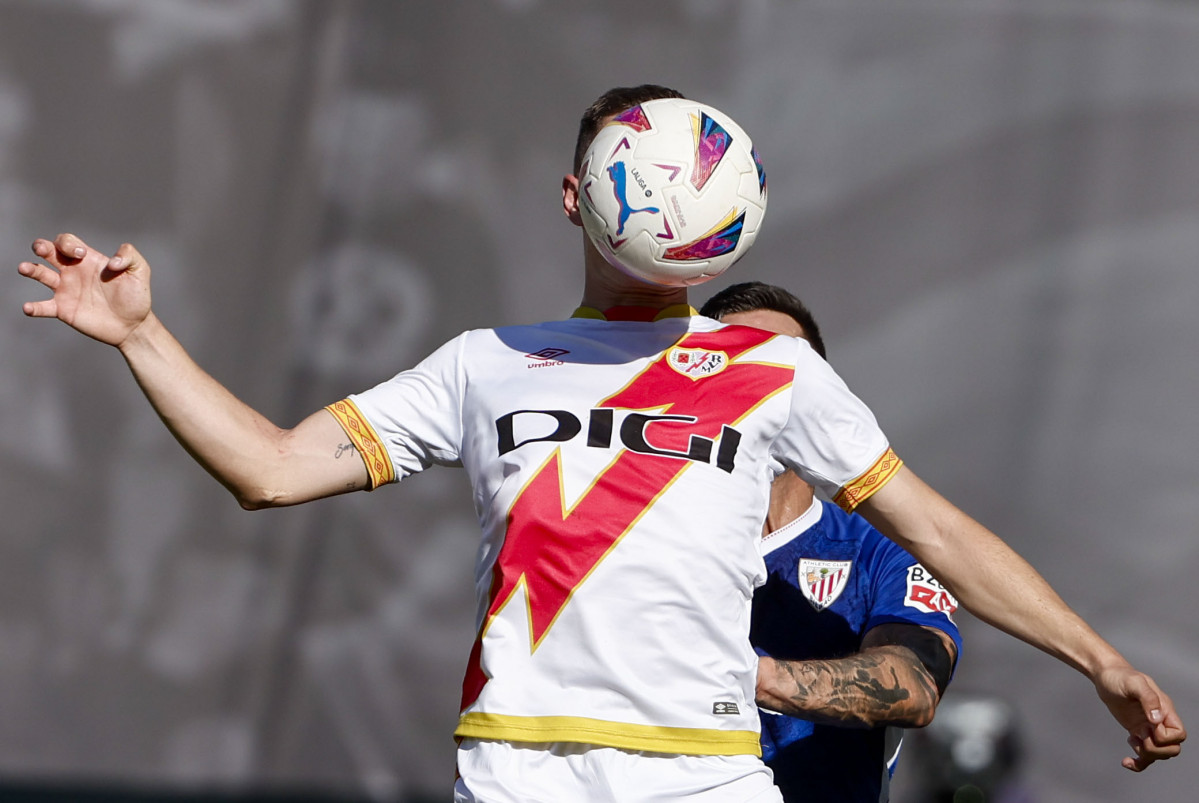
[(672, 192)]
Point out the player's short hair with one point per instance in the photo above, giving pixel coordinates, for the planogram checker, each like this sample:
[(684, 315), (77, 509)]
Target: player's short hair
[(614, 101), (750, 296)]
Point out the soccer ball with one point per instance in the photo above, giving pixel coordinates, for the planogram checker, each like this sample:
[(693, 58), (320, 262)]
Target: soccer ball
[(672, 192)]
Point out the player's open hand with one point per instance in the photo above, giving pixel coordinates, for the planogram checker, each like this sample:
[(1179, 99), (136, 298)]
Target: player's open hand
[(105, 298), (1155, 731)]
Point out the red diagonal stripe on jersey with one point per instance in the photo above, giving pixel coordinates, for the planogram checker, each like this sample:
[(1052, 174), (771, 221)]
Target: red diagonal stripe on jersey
[(550, 550)]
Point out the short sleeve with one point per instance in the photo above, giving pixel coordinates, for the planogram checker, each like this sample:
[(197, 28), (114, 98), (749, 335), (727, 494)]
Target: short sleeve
[(906, 592), (411, 421), (831, 438)]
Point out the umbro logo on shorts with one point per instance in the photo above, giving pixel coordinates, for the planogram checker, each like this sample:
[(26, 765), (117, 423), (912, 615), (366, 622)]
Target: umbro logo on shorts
[(725, 708)]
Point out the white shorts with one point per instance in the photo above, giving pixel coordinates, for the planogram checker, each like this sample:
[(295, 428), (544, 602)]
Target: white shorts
[(516, 772)]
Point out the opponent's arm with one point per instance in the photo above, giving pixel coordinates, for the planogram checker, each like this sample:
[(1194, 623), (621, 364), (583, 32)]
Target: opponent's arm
[(1001, 588), (896, 679), (261, 464)]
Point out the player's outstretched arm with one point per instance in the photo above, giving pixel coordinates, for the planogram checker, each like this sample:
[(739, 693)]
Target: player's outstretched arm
[(884, 684), (108, 299), (1001, 588)]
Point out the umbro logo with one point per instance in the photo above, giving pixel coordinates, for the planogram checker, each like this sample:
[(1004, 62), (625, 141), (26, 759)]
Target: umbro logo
[(546, 357), (725, 709), (548, 354)]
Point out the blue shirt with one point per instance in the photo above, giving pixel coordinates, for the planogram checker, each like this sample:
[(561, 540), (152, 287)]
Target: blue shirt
[(833, 577)]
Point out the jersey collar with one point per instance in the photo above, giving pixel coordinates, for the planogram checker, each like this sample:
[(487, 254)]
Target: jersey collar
[(792, 529), (631, 313)]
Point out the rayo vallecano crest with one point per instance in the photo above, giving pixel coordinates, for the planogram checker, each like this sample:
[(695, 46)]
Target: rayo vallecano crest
[(822, 581), (697, 363)]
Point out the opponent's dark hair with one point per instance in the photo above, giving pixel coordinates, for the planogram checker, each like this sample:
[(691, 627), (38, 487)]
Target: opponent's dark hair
[(614, 101), (750, 296)]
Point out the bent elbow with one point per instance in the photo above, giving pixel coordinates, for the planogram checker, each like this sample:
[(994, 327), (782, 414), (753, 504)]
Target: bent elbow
[(264, 499), (922, 719), (922, 716), (258, 497), (265, 481), (252, 502)]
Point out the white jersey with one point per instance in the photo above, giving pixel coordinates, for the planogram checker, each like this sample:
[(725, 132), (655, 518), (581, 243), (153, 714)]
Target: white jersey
[(621, 473)]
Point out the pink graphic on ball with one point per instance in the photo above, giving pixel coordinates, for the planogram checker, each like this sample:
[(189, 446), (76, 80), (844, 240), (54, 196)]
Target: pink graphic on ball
[(720, 240), (711, 144), (634, 118)]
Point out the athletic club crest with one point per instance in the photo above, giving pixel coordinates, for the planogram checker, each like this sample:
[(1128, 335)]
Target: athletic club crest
[(697, 363), (822, 581)]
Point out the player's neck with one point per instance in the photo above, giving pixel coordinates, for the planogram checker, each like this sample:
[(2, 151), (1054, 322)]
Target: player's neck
[(605, 287), (790, 498)]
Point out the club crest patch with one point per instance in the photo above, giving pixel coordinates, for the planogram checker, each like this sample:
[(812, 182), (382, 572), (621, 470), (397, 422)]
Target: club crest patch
[(822, 581), (697, 363), (925, 593)]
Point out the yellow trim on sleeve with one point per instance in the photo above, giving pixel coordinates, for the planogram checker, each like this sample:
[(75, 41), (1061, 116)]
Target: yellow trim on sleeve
[(602, 733), (859, 490), (369, 445)]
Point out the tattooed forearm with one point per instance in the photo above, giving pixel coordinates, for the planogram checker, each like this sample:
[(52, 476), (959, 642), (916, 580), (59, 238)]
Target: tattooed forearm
[(879, 686), (343, 449)]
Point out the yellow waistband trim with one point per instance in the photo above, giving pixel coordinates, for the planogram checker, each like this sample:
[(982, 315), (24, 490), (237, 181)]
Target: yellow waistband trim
[(369, 445), (602, 733), (859, 490)]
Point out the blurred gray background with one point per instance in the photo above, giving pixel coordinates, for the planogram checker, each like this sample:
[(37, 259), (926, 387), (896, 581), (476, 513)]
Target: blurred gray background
[(991, 205)]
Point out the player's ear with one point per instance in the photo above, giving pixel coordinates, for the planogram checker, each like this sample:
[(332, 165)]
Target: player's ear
[(570, 199)]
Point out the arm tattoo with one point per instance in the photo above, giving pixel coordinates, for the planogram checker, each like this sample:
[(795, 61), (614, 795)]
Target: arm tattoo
[(884, 685), (344, 448), (931, 647)]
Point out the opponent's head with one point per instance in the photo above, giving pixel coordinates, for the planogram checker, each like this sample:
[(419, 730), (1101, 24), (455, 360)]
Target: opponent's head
[(765, 306)]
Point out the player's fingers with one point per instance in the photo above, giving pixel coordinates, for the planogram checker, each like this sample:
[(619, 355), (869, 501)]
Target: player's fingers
[(1152, 701), (1170, 732), (127, 258), (1161, 753), (40, 309), (1161, 748), (69, 247), (40, 273), (1148, 751), (1137, 761), (43, 248), (1163, 736), (1169, 718)]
